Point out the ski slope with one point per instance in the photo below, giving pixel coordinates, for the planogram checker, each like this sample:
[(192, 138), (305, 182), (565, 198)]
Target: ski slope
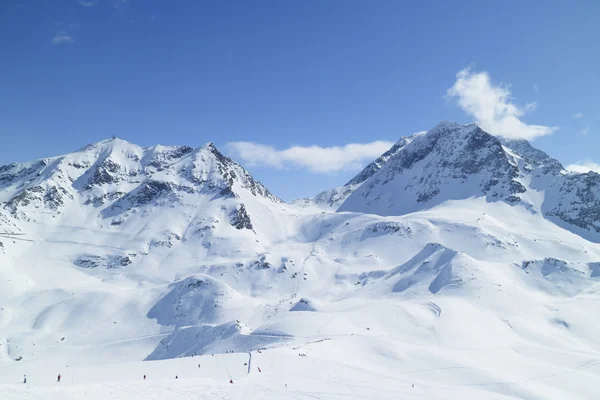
[(149, 261)]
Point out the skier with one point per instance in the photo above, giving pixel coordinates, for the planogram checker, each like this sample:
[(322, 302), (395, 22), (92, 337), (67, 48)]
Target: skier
[(144, 377), (58, 378), (24, 378)]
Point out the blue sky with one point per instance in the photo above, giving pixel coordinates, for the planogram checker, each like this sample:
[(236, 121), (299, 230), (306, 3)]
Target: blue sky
[(260, 77)]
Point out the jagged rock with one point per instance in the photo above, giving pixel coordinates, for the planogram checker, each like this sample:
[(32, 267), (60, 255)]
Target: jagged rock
[(88, 261), (110, 261), (171, 239), (14, 172), (107, 172), (163, 157), (261, 263), (387, 228), (578, 201), (240, 218), (196, 283)]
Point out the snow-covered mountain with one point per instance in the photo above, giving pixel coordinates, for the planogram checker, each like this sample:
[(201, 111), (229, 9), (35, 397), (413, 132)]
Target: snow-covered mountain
[(456, 265), (457, 162), (332, 198)]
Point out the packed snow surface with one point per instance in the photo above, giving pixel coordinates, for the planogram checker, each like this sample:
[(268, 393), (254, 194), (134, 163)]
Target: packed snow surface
[(456, 266)]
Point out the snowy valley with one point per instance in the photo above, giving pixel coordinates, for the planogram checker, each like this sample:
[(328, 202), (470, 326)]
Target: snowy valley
[(455, 266)]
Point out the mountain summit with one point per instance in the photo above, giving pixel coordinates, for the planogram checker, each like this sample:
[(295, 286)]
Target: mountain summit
[(454, 162)]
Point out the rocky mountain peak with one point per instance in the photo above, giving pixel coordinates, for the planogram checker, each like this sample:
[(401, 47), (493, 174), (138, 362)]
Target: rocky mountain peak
[(451, 161), (115, 175)]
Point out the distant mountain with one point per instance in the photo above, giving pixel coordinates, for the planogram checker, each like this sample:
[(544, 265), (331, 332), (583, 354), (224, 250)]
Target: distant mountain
[(115, 170), (114, 181), (455, 162)]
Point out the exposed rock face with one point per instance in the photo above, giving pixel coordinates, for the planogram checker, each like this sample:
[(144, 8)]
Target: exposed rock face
[(107, 172), (531, 159), (18, 172), (162, 157), (387, 228), (577, 201), (261, 263), (449, 162), (104, 261), (240, 218)]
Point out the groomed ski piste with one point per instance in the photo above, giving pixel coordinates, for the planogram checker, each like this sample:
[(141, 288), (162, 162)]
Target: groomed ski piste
[(175, 264)]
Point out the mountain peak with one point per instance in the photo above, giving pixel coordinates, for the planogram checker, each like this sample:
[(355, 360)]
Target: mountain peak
[(116, 176), (431, 167)]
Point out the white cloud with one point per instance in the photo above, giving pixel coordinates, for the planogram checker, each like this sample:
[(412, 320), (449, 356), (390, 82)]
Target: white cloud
[(88, 3), (315, 159), (62, 38), (585, 131), (578, 115), (492, 107), (584, 166)]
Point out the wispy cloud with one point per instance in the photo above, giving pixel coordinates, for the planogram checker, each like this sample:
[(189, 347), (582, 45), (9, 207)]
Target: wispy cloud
[(584, 166), (578, 115), (88, 3), (316, 159), (492, 107), (585, 131), (62, 38)]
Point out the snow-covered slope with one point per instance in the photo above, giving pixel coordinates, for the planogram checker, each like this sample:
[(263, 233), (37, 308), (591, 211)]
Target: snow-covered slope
[(332, 198), (458, 266)]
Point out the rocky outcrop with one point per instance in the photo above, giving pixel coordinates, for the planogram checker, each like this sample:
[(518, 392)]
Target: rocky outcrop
[(240, 218)]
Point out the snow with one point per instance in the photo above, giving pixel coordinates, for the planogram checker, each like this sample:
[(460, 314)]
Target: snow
[(145, 265)]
